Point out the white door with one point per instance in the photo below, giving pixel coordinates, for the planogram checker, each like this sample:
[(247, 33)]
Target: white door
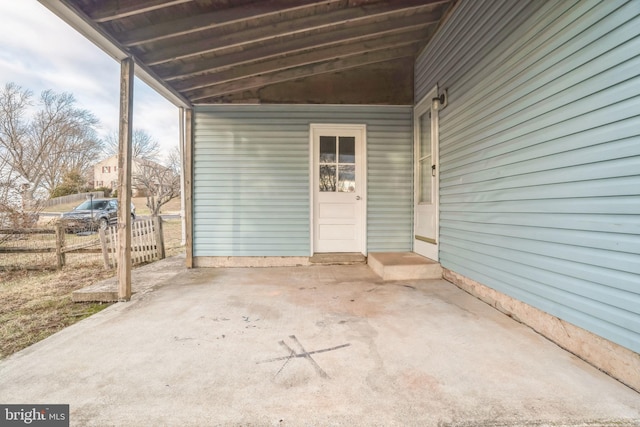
[(425, 121), (338, 188)]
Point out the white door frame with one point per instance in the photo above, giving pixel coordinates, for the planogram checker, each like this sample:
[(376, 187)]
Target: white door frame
[(427, 247), (361, 172)]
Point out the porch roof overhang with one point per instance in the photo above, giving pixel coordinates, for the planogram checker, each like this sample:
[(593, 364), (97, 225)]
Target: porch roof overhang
[(262, 51)]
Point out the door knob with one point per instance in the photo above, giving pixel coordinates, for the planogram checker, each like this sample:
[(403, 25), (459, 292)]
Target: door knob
[(357, 197)]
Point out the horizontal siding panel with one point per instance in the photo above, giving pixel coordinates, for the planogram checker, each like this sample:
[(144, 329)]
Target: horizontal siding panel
[(560, 287), (598, 240), (540, 156), (229, 226), (627, 224), (251, 177), (519, 125), (498, 67), (542, 189), (606, 143), (598, 257), (597, 280), (558, 134), (518, 288), (451, 52), (604, 205), (537, 78)]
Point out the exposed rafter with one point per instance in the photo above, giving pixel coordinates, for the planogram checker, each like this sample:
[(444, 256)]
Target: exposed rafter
[(294, 61), (114, 9), (296, 44), (212, 20), (198, 95), (210, 51), (222, 38)]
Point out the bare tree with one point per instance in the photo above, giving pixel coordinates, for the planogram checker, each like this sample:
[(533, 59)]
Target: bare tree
[(174, 161), (43, 146), (142, 144), (160, 183)]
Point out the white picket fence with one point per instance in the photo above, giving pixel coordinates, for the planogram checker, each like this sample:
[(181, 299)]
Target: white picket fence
[(147, 243)]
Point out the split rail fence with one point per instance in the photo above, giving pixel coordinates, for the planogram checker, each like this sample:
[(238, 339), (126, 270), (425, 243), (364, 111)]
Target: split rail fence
[(19, 246)]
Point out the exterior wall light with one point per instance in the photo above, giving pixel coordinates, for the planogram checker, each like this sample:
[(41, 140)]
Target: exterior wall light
[(440, 102)]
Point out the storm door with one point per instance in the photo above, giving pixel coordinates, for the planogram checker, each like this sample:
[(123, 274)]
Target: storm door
[(426, 177)]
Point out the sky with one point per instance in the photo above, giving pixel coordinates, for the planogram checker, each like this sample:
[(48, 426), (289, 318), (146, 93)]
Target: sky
[(39, 51)]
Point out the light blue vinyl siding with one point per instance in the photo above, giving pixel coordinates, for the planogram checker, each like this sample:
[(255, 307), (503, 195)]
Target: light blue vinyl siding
[(540, 155), (251, 177)]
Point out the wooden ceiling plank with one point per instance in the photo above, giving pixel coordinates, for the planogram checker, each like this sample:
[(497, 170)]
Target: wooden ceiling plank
[(215, 19), (118, 10), (307, 58), (300, 72), (350, 34), (224, 40)]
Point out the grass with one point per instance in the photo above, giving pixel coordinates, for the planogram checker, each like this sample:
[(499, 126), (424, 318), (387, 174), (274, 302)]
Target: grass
[(36, 304)]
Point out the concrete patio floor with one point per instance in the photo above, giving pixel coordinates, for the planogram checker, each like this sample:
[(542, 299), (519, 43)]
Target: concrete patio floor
[(320, 345)]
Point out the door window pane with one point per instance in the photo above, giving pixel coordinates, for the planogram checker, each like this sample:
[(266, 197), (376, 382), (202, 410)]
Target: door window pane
[(425, 180), (337, 164), (424, 159), (425, 135), (327, 178), (327, 149), (347, 149), (347, 178)]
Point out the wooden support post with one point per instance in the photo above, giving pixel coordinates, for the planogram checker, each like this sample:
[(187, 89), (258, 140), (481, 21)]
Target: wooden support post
[(159, 236), (188, 186), (60, 255), (182, 171), (124, 179)]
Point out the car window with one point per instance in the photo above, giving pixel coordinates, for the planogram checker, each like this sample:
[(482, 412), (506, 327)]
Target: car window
[(97, 204), (84, 205)]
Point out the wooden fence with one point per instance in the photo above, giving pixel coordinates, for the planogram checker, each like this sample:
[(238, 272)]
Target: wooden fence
[(24, 243), (147, 243), (62, 200)]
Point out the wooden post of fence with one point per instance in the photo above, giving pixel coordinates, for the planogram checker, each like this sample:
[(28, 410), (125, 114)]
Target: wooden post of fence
[(105, 248), (157, 227), (60, 256)]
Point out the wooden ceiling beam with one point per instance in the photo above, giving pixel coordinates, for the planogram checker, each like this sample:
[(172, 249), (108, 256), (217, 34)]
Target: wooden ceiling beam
[(117, 9), (350, 34), (215, 19), (222, 38), (217, 90), (299, 60)]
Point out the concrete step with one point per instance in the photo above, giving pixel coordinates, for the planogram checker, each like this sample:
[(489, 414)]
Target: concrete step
[(332, 258), (143, 279), (403, 266)]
